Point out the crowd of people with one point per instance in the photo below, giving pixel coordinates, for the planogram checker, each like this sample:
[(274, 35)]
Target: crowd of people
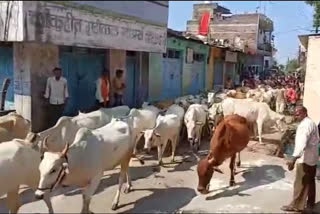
[(293, 86)]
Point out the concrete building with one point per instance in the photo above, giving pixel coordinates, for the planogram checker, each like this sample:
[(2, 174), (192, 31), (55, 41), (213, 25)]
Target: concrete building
[(249, 32), (82, 37), (179, 71), (309, 55)]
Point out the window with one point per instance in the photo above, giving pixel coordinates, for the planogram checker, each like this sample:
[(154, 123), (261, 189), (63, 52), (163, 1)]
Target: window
[(172, 54), (198, 57), (131, 53)]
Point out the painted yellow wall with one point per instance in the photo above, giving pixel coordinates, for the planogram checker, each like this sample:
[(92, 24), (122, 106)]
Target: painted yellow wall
[(214, 53)]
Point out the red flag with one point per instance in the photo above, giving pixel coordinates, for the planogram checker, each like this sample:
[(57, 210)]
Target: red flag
[(204, 23)]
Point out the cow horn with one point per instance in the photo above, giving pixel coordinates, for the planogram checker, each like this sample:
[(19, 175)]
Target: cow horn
[(45, 142), (65, 150)]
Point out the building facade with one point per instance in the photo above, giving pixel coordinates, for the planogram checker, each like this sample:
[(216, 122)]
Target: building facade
[(82, 38), (182, 70), (251, 33), (309, 55)]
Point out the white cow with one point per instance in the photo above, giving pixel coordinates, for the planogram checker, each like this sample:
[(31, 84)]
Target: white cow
[(67, 127), (142, 119), (177, 110), (167, 128), (91, 153), (146, 105), (19, 162), (194, 119), (255, 112)]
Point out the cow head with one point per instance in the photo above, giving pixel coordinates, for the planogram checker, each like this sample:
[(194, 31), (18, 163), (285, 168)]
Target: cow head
[(150, 137), (279, 120), (211, 98), (53, 168), (205, 170), (193, 128)]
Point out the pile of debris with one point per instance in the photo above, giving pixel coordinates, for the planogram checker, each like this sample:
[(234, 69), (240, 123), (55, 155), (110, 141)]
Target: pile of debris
[(286, 145)]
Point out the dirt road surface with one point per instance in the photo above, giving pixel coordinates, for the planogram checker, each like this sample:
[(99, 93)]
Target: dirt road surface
[(263, 185)]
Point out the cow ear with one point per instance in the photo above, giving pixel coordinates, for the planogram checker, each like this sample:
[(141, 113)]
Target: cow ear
[(142, 132), (210, 158), (216, 169), (31, 137), (65, 150), (157, 134)]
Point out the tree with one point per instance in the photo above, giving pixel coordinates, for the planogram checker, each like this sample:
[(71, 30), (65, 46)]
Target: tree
[(281, 68), (291, 66), (316, 15)]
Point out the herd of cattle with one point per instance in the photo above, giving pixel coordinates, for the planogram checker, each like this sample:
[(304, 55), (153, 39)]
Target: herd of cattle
[(77, 150)]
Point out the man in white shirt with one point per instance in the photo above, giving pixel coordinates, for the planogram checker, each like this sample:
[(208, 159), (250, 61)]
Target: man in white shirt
[(305, 155), (57, 95)]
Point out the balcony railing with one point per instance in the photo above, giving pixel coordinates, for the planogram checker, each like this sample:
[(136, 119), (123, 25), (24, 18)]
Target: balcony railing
[(265, 47)]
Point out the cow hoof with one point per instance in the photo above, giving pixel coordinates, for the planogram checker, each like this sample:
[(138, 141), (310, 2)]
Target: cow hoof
[(232, 183), (114, 207), (160, 163), (238, 164), (127, 189)]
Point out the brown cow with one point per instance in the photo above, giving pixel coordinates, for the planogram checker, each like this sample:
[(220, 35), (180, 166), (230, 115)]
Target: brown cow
[(230, 137)]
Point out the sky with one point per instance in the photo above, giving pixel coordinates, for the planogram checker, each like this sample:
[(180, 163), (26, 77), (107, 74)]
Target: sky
[(290, 19)]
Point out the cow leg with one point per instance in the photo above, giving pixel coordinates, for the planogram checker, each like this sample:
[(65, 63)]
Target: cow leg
[(13, 200), (89, 191), (122, 177), (238, 160), (129, 184), (232, 169), (159, 154), (174, 143), (200, 136), (259, 124), (161, 151), (255, 129), (47, 200), (136, 140)]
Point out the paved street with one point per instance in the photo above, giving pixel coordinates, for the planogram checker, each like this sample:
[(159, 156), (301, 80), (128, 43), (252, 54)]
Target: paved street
[(263, 185)]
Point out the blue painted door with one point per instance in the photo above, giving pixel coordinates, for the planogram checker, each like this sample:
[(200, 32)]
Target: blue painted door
[(131, 80), (197, 78), (218, 73), (81, 72), (171, 78), (6, 71)]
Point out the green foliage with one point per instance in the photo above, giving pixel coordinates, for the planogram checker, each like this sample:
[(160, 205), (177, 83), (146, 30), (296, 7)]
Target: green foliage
[(281, 67), (291, 66), (316, 15)]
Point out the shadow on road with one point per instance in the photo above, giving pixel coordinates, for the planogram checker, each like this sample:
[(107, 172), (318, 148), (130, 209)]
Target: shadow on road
[(254, 177), (317, 208), (112, 179), (175, 198)]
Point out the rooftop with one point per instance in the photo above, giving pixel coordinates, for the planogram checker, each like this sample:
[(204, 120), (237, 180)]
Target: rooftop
[(200, 39)]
